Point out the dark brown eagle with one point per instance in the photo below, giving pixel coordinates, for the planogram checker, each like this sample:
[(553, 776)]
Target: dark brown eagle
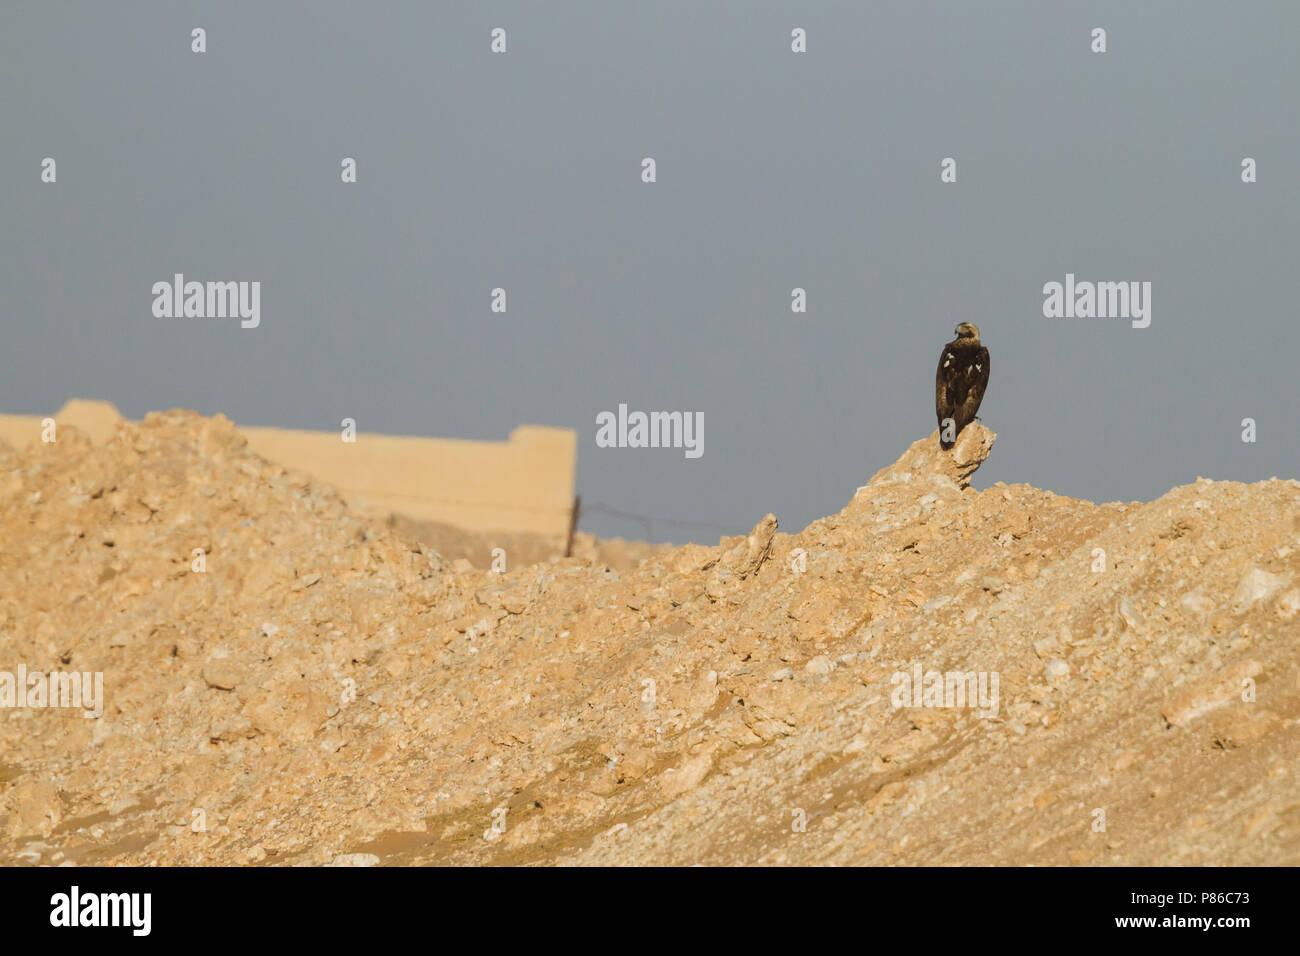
[(960, 382)]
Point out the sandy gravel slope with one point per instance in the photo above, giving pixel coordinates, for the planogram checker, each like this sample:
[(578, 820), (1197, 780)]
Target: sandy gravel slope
[(327, 690)]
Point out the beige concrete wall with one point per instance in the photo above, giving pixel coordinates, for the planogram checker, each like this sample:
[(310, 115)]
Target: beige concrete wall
[(525, 483), (97, 419)]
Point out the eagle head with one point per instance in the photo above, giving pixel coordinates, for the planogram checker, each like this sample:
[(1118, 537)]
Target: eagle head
[(969, 331)]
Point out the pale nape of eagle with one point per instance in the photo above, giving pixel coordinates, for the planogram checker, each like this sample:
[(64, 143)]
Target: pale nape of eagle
[(960, 382)]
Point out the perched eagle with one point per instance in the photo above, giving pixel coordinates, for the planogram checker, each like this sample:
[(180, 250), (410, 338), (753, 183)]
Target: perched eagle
[(960, 382)]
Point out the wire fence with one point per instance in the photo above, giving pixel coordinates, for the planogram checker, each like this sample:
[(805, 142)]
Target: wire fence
[(649, 522)]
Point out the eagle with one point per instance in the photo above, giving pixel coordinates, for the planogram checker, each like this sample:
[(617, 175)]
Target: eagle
[(960, 382)]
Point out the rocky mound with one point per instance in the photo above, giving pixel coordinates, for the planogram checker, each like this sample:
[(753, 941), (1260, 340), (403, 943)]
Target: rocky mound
[(311, 687), (521, 547)]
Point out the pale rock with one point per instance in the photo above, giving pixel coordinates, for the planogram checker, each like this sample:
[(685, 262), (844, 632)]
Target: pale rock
[(926, 457), (1258, 585), (36, 809), (1288, 605), (1206, 695), (1196, 603), (819, 666), (223, 673), (676, 781)]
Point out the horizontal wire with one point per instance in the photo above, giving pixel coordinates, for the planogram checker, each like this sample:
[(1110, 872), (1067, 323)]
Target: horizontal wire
[(673, 522)]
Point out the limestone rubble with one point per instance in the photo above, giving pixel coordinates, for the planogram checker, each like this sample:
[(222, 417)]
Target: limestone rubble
[(326, 690)]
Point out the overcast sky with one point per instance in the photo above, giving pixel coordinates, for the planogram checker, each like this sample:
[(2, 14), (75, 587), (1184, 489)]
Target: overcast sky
[(776, 170)]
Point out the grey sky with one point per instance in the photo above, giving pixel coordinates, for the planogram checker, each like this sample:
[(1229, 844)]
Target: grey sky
[(776, 170)]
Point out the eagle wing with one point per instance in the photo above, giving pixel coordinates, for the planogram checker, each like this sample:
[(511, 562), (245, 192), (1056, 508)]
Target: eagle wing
[(949, 386), (959, 384), (979, 380)]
